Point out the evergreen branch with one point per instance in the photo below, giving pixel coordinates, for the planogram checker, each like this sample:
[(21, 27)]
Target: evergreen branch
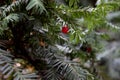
[(13, 18), (71, 70), (9, 67), (12, 7), (36, 5), (112, 26), (58, 66), (20, 76)]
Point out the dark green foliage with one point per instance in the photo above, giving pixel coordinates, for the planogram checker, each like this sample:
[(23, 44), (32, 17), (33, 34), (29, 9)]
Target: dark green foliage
[(34, 26)]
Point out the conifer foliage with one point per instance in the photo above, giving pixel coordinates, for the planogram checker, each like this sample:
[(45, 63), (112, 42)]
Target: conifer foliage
[(39, 38)]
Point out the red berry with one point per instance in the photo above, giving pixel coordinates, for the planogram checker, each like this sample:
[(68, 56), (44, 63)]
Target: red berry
[(89, 49), (65, 29)]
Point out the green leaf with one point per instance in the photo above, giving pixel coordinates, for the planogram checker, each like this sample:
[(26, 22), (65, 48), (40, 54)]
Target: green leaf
[(72, 36), (77, 38), (71, 2)]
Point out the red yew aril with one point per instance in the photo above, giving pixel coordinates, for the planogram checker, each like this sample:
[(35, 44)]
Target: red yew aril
[(65, 29), (89, 49)]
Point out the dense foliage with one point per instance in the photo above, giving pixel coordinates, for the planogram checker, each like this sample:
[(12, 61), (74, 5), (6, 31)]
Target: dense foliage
[(34, 46)]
